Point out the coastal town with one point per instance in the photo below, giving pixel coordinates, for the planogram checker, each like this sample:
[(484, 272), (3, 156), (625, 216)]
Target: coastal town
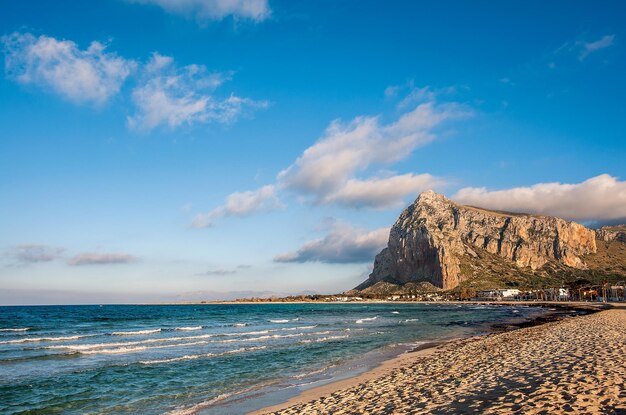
[(601, 294)]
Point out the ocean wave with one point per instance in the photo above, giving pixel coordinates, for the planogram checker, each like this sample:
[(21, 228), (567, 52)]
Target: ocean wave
[(14, 330), (363, 320), (92, 346), (192, 328), (395, 312), (324, 339), (135, 333), (298, 328), (198, 407), (315, 372), (123, 350), (284, 320), (246, 333), (46, 339), (240, 324), (274, 336), (408, 320), (199, 356)]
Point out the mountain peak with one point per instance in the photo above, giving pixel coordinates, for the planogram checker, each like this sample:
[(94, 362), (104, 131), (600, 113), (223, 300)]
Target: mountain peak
[(430, 195), (435, 239)]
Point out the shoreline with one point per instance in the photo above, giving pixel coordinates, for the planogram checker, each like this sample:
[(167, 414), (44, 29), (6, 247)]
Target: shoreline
[(538, 303), (428, 350)]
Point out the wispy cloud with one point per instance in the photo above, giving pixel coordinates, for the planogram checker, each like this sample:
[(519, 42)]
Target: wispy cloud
[(164, 94), (256, 10), (345, 166), (89, 76), (173, 96), (224, 271), (327, 171), (599, 198), (588, 48), (34, 253), (409, 94), (102, 258), (382, 193), (241, 204), (219, 272), (343, 244)]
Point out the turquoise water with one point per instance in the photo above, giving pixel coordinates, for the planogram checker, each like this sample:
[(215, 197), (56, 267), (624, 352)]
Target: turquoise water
[(186, 359)]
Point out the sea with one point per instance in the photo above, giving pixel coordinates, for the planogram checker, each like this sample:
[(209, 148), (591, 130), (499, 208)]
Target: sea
[(209, 358)]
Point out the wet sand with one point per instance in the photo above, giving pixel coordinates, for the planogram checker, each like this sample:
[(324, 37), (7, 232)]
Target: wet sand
[(572, 366)]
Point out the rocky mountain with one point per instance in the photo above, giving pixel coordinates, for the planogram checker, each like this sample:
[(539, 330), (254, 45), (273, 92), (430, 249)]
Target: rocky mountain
[(612, 233), (438, 241)]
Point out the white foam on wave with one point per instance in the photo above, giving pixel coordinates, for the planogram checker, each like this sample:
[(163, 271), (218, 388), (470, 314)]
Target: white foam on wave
[(395, 312), (363, 320), (315, 372), (123, 350), (199, 356), (194, 409), (246, 333), (274, 336), (284, 320), (298, 328), (92, 346), (324, 339), (408, 320), (198, 407), (14, 330), (192, 328), (46, 339), (241, 324), (135, 333)]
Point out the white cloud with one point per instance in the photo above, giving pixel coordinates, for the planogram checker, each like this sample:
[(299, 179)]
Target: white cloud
[(411, 94), (96, 258), (256, 10), (241, 204), (219, 272), (343, 244), (174, 96), (590, 47), (81, 76), (33, 253), (381, 193), (330, 171), (599, 198), (327, 170)]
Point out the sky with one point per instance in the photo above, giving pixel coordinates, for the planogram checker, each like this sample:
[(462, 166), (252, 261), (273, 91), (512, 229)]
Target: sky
[(162, 150)]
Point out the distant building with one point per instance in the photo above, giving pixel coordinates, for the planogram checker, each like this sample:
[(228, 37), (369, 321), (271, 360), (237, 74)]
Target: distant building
[(557, 294), (502, 294)]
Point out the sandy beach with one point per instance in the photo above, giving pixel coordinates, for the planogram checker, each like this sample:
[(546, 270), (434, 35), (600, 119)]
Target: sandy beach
[(572, 366)]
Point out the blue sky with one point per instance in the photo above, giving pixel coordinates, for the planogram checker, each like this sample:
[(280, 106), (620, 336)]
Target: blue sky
[(155, 150)]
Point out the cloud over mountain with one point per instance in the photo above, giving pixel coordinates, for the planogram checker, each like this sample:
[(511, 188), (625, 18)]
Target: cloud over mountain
[(599, 198)]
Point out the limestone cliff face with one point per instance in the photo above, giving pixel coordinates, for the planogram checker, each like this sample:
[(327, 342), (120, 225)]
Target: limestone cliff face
[(612, 233), (431, 236)]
